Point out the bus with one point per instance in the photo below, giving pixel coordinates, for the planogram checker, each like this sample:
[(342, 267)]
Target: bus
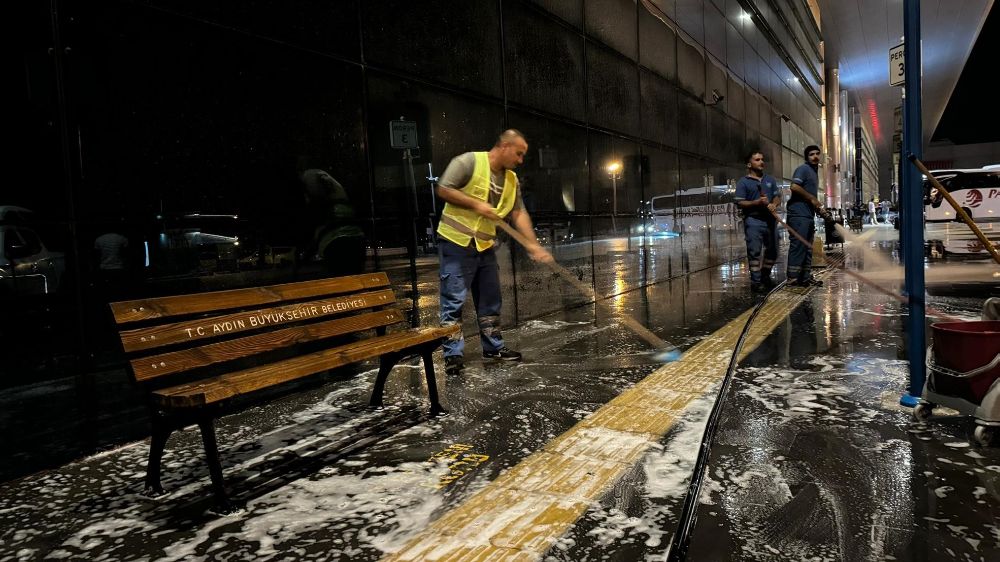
[(689, 210), (977, 191)]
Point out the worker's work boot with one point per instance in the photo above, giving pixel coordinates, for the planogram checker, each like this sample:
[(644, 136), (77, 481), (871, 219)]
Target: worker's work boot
[(453, 365), (503, 354)]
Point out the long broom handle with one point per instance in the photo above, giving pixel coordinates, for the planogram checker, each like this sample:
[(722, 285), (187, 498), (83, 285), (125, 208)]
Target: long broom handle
[(867, 281), (588, 292), (958, 210)]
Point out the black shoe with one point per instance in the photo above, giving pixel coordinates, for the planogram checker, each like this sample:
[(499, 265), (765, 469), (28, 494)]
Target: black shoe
[(453, 365), (812, 281), (768, 282), (503, 354), (758, 288)]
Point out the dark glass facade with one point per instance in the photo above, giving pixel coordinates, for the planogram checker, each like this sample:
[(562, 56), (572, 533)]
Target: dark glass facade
[(170, 147)]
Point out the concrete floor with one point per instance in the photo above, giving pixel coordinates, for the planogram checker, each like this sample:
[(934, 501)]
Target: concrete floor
[(813, 460)]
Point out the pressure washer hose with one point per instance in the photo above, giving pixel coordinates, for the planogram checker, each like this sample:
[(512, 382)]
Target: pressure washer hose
[(682, 537), (681, 540)]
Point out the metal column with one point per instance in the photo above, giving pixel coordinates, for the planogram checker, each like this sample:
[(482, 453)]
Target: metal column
[(913, 205)]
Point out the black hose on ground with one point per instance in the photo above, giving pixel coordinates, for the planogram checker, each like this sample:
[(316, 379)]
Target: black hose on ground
[(682, 537)]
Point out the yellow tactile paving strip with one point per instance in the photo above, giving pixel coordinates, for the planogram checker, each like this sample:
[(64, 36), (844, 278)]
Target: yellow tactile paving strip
[(520, 515)]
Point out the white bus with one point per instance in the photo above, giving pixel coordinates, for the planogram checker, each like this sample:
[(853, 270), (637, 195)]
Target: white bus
[(977, 191), (689, 210)]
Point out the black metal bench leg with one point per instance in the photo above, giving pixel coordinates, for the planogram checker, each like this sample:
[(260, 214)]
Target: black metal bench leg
[(385, 364), (207, 427), (432, 392), (158, 442)]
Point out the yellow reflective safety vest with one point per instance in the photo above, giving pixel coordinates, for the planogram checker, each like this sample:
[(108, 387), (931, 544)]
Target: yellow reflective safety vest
[(461, 225)]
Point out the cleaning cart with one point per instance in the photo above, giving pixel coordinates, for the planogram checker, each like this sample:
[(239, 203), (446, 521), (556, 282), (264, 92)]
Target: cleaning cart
[(963, 373)]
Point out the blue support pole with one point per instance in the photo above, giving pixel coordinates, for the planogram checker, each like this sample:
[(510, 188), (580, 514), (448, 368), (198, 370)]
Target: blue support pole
[(913, 205)]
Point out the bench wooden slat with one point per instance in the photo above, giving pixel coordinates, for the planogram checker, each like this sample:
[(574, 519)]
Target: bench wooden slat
[(148, 368), (237, 322), (205, 340), (165, 307), (226, 386)]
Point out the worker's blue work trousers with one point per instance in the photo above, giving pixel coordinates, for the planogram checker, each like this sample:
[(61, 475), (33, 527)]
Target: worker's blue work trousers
[(463, 269), (800, 255), (762, 247)]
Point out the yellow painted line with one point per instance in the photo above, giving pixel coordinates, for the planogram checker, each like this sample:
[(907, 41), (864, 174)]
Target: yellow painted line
[(527, 508), (460, 460)]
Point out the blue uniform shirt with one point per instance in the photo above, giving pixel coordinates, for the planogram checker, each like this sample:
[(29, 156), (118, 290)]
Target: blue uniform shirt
[(805, 176), (750, 189)]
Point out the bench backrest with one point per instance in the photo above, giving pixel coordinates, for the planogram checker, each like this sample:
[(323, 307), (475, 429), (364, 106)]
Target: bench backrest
[(186, 333)]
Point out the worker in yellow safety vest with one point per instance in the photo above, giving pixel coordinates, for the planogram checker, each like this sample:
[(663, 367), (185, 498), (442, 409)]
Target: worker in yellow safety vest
[(480, 188)]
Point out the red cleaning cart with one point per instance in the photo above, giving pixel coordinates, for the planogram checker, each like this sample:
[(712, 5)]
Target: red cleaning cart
[(963, 372)]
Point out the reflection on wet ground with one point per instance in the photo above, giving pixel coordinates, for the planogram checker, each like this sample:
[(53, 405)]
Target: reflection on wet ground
[(813, 459)]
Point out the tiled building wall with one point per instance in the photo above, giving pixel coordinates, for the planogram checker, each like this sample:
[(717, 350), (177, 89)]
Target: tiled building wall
[(186, 127)]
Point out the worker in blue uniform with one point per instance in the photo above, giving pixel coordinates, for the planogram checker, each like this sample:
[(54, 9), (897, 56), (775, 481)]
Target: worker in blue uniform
[(757, 196), (803, 205)]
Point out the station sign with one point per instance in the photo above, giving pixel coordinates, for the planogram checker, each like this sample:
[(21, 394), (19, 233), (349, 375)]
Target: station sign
[(403, 134), (897, 76)]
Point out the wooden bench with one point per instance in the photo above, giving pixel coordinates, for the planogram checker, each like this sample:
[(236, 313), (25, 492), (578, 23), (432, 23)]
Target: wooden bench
[(193, 354)]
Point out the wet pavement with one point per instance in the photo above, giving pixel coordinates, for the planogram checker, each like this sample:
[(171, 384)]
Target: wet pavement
[(813, 459)]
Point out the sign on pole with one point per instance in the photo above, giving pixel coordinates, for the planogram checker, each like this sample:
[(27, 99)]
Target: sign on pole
[(403, 134), (896, 75)]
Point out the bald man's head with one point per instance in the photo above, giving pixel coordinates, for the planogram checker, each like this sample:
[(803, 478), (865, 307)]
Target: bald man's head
[(510, 148), (510, 135)]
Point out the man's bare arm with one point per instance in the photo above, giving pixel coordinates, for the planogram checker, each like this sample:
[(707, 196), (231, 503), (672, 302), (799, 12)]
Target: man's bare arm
[(775, 202), (522, 222), (796, 188), (746, 203)]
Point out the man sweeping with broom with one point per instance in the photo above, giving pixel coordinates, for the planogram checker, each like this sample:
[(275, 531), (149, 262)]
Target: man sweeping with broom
[(480, 188)]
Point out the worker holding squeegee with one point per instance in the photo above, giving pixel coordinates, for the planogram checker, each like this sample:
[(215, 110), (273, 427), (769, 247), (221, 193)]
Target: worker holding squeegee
[(480, 189), (467, 233)]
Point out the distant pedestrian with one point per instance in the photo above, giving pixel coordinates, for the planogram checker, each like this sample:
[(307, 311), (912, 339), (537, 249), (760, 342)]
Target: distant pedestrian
[(757, 196), (885, 210), (111, 255), (111, 249), (872, 213)]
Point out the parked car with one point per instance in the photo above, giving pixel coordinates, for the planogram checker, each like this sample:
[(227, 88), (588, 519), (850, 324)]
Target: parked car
[(269, 256), (551, 233), (26, 266), (195, 244)]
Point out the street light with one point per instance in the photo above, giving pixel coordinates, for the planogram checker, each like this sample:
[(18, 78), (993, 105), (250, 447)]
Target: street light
[(615, 173)]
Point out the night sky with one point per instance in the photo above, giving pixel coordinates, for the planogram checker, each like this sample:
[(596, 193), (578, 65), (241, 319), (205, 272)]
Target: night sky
[(972, 115)]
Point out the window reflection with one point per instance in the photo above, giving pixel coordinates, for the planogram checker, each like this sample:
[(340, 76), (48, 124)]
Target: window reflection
[(212, 150)]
